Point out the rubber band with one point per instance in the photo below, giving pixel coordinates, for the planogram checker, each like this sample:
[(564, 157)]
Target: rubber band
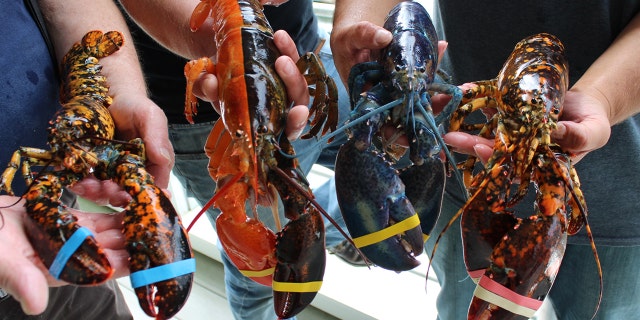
[(388, 232), (257, 273), (68, 249), (476, 274), (495, 293), (164, 272), (313, 286)]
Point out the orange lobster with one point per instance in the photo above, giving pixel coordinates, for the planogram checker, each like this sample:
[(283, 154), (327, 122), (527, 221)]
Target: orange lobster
[(81, 140), (251, 160), (515, 260)]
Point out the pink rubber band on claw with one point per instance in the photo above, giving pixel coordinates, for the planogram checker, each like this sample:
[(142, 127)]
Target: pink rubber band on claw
[(495, 293)]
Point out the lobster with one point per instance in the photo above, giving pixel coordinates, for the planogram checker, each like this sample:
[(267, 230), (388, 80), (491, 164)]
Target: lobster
[(252, 162), (390, 214), (81, 140), (513, 260)]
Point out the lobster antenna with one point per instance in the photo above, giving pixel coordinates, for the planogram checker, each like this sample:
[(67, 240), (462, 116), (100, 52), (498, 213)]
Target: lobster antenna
[(305, 193), (213, 199), (583, 212), (347, 125), (434, 127)]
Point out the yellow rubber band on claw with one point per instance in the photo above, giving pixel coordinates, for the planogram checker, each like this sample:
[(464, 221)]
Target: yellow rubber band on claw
[(388, 232), (258, 273), (313, 286)]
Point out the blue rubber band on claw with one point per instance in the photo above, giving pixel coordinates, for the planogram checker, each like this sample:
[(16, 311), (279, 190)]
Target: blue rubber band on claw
[(164, 272), (67, 250)]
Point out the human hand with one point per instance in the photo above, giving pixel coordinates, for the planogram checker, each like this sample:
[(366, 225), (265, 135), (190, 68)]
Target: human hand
[(136, 116), (206, 86), (273, 2), (24, 276), (583, 127), (355, 43)]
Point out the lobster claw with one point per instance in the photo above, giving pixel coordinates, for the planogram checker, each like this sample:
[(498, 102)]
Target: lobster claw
[(161, 261), (378, 214), (70, 251), (249, 245), (300, 250), (513, 277), (424, 186)]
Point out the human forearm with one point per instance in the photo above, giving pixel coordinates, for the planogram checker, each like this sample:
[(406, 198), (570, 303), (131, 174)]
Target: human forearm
[(68, 21), (167, 21), (614, 77)]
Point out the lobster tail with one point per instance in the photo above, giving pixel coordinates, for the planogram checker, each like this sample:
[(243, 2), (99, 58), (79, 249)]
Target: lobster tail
[(80, 68)]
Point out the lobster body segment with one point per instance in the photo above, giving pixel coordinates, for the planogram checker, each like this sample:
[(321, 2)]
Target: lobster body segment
[(247, 154), (388, 213), (81, 143), (515, 260)]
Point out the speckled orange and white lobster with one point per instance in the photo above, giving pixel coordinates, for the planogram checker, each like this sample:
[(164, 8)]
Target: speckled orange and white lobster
[(252, 161), (81, 140), (515, 260)]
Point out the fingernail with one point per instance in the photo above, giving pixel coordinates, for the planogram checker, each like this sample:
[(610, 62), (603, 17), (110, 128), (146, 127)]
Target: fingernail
[(559, 132), (166, 154)]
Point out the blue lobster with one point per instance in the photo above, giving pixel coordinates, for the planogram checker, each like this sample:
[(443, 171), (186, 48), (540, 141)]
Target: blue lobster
[(390, 207)]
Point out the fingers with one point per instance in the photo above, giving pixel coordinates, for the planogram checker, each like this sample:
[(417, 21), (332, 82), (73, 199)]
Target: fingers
[(354, 44), (293, 80), (159, 151), (273, 2), (296, 121), (470, 144), (101, 192), (20, 275), (367, 35), (442, 46), (286, 45), (25, 282)]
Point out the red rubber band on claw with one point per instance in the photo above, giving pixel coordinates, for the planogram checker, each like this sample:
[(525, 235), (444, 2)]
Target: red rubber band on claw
[(495, 293), (164, 272), (68, 249)]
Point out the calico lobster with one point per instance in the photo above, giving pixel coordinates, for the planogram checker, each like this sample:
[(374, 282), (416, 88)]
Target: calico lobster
[(81, 142), (252, 162), (515, 260), (390, 214)]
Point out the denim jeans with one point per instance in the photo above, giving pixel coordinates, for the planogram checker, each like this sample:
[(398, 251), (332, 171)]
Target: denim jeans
[(248, 299), (574, 293)]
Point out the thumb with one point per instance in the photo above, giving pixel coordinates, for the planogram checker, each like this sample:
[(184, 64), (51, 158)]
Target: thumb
[(368, 35), (25, 282)]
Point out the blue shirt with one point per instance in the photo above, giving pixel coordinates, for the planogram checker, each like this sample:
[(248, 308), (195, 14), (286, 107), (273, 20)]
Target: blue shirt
[(28, 85)]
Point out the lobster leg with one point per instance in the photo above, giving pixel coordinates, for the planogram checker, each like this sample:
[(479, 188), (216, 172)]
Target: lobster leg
[(161, 261)]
